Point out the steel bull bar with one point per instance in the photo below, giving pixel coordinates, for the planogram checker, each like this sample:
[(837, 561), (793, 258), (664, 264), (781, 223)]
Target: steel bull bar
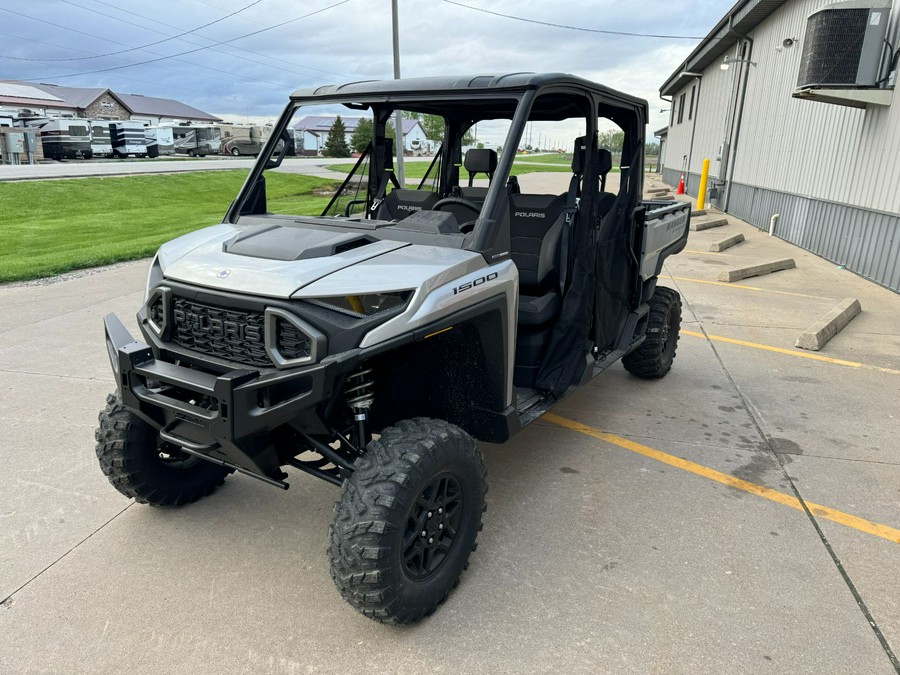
[(221, 418)]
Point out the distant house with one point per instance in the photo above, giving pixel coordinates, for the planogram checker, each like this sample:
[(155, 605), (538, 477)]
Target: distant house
[(311, 132), (24, 99)]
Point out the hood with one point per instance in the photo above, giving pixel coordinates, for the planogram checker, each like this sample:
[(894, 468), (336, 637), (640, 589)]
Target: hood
[(266, 259)]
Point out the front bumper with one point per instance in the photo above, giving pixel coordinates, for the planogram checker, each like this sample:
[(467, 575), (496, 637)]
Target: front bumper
[(226, 418)]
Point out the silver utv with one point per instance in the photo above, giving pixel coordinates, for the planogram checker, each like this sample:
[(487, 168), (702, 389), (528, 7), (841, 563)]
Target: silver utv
[(372, 344)]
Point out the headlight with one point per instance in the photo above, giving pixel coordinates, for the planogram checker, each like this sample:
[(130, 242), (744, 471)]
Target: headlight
[(363, 306), (154, 276)]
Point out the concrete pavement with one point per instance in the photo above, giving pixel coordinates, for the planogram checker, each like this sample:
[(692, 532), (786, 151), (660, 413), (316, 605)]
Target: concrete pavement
[(594, 557)]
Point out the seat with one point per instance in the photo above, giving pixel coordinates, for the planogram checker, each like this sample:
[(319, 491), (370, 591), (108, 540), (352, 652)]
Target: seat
[(606, 199), (478, 161), (400, 203), (535, 224)]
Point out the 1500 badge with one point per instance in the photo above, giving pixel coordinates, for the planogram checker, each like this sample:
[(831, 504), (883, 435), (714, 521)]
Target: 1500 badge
[(475, 282)]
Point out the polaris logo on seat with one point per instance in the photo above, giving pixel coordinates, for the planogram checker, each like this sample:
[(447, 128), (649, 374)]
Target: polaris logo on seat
[(404, 207), (530, 214)]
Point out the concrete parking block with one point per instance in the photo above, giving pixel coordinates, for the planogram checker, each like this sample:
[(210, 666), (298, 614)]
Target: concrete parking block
[(698, 225), (698, 212), (718, 246), (757, 270), (817, 336)]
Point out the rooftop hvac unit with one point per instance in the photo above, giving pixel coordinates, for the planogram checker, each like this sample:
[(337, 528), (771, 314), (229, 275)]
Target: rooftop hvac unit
[(842, 53)]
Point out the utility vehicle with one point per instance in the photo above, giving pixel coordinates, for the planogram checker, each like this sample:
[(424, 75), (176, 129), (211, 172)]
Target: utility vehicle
[(370, 345)]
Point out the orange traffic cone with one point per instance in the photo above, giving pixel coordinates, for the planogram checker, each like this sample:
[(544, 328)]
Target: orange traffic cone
[(680, 190)]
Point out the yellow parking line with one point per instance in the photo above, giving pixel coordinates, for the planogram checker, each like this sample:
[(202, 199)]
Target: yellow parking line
[(791, 352), (857, 523), (745, 288), (688, 250)]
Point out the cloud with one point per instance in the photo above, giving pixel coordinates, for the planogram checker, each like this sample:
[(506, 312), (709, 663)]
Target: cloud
[(253, 76)]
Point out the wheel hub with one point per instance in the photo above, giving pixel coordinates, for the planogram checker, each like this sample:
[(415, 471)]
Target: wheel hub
[(432, 527)]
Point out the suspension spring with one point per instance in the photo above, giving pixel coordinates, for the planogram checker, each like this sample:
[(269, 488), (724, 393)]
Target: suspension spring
[(359, 392)]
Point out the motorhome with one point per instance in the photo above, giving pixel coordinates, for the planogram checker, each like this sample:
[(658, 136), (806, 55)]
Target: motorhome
[(66, 138), (127, 138), (243, 139), (160, 141), (196, 140), (101, 145)]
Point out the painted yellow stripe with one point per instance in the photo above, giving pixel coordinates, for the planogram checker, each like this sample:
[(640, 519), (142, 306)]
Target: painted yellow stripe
[(688, 250), (791, 352), (857, 523), (745, 288)]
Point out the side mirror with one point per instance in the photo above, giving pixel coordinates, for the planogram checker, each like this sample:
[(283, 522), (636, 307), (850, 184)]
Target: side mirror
[(278, 154)]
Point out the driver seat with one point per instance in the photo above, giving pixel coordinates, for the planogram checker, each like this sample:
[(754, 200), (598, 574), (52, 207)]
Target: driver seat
[(402, 202)]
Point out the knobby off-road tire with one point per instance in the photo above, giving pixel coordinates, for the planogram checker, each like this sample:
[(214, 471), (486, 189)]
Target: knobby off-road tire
[(654, 357), (422, 476), (131, 459)]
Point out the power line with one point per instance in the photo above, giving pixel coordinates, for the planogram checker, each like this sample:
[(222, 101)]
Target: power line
[(132, 49), (222, 51), (190, 51), (105, 39), (578, 28)]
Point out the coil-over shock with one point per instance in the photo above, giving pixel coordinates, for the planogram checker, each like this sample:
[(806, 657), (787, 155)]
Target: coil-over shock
[(359, 391)]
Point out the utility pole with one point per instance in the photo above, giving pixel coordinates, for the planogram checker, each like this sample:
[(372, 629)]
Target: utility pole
[(398, 117)]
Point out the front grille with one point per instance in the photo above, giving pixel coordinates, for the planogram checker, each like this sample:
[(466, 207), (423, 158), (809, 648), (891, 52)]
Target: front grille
[(292, 342), (234, 335)]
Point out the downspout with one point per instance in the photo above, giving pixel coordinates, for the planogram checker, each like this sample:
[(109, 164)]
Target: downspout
[(746, 65)]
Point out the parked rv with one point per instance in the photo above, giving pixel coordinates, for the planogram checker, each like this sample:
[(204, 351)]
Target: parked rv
[(101, 144), (196, 141), (243, 139), (64, 138), (160, 141), (127, 138)]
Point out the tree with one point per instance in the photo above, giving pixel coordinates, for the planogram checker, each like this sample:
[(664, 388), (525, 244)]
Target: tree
[(336, 143), (433, 126), (612, 140), (651, 149), (362, 135)]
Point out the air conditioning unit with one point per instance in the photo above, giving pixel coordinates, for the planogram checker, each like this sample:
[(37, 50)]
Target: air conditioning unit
[(842, 53)]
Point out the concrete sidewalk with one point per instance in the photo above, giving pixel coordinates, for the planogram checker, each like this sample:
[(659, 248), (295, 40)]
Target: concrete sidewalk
[(622, 552)]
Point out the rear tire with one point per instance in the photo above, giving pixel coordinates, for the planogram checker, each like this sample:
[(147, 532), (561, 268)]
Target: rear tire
[(134, 462), (407, 520), (654, 357)]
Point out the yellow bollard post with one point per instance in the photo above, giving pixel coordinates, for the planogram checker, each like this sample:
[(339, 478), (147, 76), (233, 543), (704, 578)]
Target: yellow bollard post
[(701, 193)]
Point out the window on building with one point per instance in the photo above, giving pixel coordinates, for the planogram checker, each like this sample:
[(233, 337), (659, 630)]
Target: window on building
[(691, 107), (681, 108)]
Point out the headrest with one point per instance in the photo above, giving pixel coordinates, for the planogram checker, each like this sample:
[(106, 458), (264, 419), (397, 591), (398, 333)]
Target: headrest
[(578, 154), (480, 161), (605, 157)]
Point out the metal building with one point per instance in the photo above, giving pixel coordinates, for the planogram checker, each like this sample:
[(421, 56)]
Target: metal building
[(793, 103)]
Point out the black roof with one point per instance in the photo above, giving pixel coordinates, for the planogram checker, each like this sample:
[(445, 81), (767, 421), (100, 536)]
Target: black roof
[(511, 82)]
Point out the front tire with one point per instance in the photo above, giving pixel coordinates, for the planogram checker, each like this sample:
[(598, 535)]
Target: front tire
[(407, 520), (140, 468), (654, 357), (235, 152)]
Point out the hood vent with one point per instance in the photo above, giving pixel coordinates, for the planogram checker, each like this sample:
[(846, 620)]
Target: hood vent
[(275, 242)]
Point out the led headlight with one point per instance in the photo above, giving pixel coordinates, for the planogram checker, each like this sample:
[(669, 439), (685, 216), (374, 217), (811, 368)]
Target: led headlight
[(364, 306), (154, 276)]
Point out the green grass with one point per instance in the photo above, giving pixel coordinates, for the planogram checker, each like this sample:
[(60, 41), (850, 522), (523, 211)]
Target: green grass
[(417, 169), (54, 226)]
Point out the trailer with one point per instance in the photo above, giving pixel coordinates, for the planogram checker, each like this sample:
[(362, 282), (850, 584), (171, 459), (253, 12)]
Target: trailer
[(243, 139), (127, 138), (66, 138), (160, 141), (196, 140), (101, 144)]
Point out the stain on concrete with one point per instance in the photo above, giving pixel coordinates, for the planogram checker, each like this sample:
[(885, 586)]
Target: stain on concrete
[(726, 408), (785, 446), (774, 533), (568, 469), (754, 470), (800, 379), (610, 566)]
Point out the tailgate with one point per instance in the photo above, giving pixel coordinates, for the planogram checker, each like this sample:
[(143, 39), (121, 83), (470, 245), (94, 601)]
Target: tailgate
[(665, 233)]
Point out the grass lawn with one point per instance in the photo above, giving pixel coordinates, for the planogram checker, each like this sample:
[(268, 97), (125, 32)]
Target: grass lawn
[(417, 169), (53, 226)]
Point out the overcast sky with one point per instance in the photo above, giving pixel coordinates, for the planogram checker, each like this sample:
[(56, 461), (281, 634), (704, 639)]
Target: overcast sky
[(253, 75)]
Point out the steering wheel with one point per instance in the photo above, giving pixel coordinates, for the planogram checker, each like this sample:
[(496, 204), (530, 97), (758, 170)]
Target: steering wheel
[(465, 228)]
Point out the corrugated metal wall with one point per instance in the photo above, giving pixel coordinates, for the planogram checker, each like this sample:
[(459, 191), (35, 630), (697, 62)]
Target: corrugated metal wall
[(864, 241), (831, 172)]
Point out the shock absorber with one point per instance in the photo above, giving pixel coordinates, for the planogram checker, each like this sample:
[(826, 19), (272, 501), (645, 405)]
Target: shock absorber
[(359, 391)]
